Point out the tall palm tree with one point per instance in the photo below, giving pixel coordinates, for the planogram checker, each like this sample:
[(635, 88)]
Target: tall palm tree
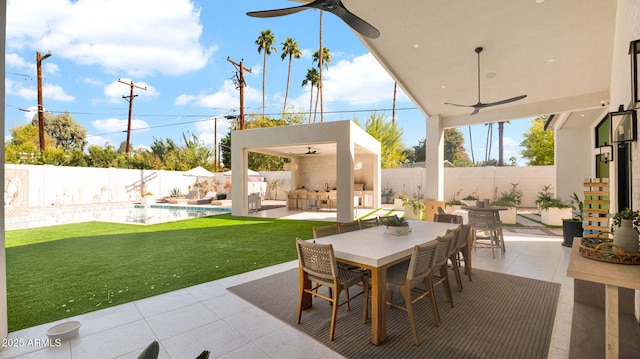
[(323, 59), (473, 159), (289, 48), (265, 42), (312, 79)]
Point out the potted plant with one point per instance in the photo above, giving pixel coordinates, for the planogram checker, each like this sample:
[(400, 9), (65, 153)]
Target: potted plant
[(454, 203), (552, 210), (387, 194), (625, 230), (398, 226), (413, 207), (470, 200), (572, 227), (509, 199), (148, 198)]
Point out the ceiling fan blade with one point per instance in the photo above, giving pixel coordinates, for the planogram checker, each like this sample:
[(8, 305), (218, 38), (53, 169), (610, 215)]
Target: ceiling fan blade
[(457, 104), (332, 6), (286, 11), (476, 109), (355, 22), (513, 99)]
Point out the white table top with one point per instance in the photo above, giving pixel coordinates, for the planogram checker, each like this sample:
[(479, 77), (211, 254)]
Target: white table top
[(375, 248)]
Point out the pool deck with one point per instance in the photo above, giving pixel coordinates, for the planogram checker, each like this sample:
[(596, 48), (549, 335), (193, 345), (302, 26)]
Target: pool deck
[(209, 317)]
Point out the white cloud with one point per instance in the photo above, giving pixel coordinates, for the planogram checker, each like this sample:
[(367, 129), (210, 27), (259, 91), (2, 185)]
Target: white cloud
[(97, 140), (117, 125), (55, 92), (113, 33), (360, 81), (226, 98)]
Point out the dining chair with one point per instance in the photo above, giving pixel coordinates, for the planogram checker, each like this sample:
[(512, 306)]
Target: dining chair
[(292, 200), (333, 199), (447, 218), (323, 231), (453, 253), (463, 250), (405, 280), (369, 222), (349, 226), (303, 200), (440, 272), (318, 264), (486, 222)]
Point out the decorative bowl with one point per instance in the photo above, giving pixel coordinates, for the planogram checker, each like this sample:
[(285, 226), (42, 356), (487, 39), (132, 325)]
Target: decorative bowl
[(397, 230), (64, 331)]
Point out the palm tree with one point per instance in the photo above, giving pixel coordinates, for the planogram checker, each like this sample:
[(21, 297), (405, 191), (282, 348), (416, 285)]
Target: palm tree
[(289, 48), (473, 159), (265, 42), (312, 79), (323, 59)]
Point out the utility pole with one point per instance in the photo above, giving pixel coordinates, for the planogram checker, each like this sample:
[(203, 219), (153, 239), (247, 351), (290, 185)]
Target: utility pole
[(39, 59), (240, 84), (130, 99)]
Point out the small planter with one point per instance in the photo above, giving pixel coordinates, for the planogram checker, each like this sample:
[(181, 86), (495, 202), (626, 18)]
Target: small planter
[(509, 216), (148, 200), (553, 216), (397, 230), (453, 208), (409, 213), (469, 202)]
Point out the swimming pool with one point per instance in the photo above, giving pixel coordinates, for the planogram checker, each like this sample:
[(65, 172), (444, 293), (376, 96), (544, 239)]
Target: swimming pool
[(133, 214)]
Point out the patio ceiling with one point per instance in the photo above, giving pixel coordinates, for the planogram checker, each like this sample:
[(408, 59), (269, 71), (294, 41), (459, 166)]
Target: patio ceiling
[(558, 53)]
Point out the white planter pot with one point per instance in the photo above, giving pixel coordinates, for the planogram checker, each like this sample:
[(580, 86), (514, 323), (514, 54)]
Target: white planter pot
[(397, 204), (554, 216), (410, 214), (469, 202), (148, 200), (509, 216), (453, 209)]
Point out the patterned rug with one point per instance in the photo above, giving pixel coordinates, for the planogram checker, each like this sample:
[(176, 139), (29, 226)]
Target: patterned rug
[(495, 316)]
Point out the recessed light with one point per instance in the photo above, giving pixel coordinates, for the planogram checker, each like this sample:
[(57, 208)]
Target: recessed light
[(551, 60), (539, 1), (415, 46), (443, 86)]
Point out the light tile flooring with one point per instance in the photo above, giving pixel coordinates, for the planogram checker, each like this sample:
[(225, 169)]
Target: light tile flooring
[(208, 317)]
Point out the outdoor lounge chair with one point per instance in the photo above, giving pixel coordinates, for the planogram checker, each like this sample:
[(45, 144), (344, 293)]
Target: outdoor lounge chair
[(183, 200), (210, 196)]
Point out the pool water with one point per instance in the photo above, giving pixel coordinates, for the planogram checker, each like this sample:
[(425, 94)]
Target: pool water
[(133, 214)]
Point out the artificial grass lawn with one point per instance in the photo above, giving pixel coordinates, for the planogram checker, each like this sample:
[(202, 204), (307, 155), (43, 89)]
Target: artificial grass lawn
[(62, 271)]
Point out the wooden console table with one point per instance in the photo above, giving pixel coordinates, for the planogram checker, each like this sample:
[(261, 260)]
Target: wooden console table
[(613, 276)]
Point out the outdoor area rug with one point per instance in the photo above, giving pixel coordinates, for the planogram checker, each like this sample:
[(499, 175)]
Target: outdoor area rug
[(495, 316)]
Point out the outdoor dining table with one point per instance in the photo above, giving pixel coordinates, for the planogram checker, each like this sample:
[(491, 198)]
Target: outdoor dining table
[(374, 249)]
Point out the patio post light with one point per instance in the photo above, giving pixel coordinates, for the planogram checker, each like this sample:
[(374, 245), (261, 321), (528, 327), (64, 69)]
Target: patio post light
[(634, 50)]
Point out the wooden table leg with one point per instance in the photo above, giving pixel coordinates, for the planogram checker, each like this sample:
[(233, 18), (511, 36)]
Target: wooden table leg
[(378, 305), (611, 322)]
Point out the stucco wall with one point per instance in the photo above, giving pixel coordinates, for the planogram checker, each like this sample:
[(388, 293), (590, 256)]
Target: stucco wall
[(484, 182)]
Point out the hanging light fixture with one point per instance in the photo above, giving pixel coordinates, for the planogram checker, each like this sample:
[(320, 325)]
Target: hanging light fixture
[(623, 125)]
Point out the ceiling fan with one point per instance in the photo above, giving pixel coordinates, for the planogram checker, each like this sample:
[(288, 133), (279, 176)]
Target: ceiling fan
[(333, 6), (480, 104), (310, 152)]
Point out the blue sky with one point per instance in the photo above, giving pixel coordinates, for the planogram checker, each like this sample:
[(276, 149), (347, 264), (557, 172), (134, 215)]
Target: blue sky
[(178, 50)]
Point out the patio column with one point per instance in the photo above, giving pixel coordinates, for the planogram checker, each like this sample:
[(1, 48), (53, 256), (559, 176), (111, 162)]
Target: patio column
[(433, 187), (344, 180), (239, 180), (4, 326)]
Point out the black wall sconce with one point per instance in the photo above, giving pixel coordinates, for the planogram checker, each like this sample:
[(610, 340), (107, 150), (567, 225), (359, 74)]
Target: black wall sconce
[(634, 51), (623, 125), (607, 155)]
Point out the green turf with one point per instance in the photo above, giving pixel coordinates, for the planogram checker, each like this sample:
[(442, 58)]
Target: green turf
[(61, 271)]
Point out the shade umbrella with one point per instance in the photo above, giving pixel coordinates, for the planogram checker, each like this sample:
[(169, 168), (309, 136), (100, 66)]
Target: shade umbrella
[(199, 172), (251, 173)]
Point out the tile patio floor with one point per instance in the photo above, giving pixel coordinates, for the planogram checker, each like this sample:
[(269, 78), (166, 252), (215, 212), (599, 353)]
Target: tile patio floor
[(208, 317)]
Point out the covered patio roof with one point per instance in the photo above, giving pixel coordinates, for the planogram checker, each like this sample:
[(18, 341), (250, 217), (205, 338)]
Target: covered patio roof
[(558, 53)]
